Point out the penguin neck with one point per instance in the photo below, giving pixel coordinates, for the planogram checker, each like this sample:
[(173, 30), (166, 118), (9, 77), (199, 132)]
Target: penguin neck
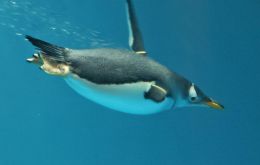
[(179, 87)]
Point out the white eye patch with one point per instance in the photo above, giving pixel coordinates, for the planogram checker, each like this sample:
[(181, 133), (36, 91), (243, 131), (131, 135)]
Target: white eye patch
[(192, 92)]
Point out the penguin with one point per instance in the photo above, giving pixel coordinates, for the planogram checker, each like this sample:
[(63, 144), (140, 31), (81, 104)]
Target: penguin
[(119, 79)]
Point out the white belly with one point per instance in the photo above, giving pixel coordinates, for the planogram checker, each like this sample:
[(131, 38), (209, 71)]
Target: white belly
[(128, 98)]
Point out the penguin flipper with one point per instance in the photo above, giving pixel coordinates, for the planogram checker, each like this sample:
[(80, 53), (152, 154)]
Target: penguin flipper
[(156, 93), (135, 36), (53, 52)]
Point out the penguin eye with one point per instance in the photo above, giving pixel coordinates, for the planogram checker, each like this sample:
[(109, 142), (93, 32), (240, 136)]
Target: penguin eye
[(192, 94), (193, 98)]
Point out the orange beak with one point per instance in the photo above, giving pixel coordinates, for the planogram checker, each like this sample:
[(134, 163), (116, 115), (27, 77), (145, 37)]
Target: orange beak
[(214, 104)]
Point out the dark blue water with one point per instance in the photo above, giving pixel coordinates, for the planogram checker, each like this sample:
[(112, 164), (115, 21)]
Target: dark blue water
[(213, 43)]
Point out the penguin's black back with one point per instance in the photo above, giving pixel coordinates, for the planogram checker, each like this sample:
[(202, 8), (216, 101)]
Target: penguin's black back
[(114, 66)]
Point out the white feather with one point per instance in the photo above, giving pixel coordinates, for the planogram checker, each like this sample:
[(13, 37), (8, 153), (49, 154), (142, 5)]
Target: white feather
[(128, 98), (131, 38), (192, 91)]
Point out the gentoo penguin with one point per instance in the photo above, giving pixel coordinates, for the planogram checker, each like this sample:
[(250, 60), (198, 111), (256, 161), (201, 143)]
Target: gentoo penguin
[(123, 80)]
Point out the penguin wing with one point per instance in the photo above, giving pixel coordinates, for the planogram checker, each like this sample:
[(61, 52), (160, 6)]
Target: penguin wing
[(135, 36), (156, 93)]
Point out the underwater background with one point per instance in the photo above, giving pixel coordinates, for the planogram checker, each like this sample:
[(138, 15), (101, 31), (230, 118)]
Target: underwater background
[(213, 43)]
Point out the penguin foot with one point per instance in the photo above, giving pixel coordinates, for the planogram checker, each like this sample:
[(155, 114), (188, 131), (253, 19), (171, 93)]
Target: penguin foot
[(48, 65)]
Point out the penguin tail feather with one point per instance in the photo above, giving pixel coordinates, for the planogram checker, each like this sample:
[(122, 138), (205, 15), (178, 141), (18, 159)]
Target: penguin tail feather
[(52, 51)]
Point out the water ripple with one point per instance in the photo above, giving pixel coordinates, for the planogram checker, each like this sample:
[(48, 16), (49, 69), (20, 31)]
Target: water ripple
[(20, 17)]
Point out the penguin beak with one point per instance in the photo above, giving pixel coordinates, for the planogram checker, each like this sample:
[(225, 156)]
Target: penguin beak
[(213, 104)]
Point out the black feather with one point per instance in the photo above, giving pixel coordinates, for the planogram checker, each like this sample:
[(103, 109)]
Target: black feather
[(53, 51)]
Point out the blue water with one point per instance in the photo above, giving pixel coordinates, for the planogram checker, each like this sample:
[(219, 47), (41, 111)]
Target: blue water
[(213, 43)]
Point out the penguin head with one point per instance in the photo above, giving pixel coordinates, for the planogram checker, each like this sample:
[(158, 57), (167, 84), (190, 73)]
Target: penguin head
[(195, 97)]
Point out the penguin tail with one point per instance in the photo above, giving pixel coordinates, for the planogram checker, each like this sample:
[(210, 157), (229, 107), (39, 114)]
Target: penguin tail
[(52, 51)]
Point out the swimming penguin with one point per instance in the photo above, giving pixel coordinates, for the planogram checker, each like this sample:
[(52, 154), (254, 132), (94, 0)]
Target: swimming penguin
[(123, 80)]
